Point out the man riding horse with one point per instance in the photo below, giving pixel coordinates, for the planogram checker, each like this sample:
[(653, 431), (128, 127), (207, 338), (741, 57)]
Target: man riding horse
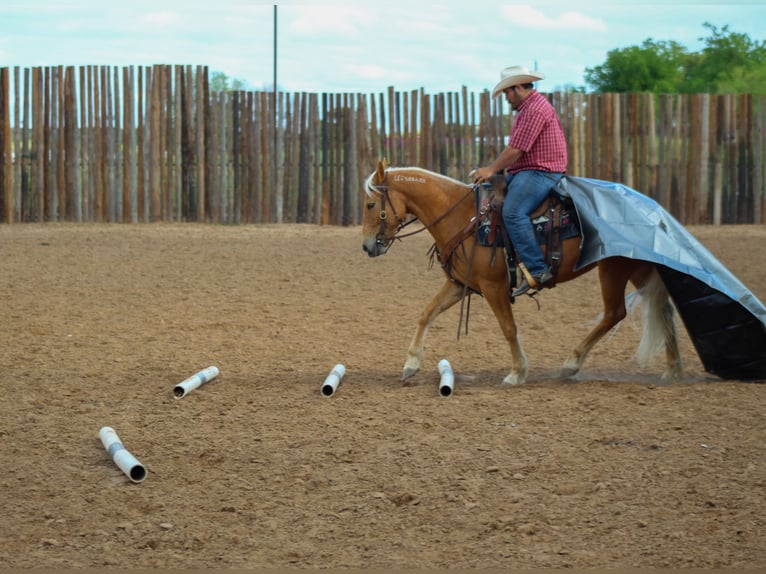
[(534, 160)]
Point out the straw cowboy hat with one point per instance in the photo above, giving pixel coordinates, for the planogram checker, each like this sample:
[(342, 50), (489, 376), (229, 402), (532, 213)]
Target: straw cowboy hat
[(515, 75)]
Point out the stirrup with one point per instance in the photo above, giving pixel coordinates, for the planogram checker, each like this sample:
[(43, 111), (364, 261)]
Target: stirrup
[(532, 282)]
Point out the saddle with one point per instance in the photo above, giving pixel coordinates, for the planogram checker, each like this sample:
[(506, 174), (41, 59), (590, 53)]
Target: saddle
[(554, 220)]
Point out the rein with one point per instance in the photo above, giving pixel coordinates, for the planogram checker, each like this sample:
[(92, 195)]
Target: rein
[(383, 239)]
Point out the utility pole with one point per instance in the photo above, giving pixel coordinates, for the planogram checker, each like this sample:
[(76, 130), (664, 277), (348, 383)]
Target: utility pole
[(275, 51), (275, 155)]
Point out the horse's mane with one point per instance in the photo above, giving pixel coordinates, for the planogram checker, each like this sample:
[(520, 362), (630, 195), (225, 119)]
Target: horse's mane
[(370, 189)]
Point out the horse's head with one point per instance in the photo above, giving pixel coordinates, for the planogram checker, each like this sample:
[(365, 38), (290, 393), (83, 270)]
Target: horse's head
[(384, 213)]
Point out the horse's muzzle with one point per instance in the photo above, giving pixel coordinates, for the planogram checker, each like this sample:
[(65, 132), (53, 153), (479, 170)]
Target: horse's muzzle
[(372, 247)]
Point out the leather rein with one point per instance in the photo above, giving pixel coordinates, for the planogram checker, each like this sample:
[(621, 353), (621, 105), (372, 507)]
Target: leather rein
[(382, 238)]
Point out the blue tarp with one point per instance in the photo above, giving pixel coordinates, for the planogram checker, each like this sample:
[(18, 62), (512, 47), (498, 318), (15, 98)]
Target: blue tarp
[(725, 321)]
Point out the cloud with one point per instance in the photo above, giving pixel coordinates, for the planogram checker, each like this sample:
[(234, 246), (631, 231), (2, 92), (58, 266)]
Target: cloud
[(161, 19), (347, 21), (529, 17), (353, 45)]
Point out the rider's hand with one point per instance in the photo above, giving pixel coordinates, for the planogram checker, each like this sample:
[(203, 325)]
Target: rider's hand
[(481, 174)]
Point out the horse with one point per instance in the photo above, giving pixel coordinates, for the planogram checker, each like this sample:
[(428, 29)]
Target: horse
[(397, 196)]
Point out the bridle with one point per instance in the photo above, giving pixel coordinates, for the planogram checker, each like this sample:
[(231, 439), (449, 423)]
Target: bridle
[(385, 240), (381, 238)]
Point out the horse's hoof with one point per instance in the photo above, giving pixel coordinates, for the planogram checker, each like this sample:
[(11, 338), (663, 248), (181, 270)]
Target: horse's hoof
[(569, 370), (669, 377), (408, 372), (513, 380)]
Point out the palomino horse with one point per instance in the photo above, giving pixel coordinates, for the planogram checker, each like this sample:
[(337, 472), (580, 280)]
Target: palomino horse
[(444, 206)]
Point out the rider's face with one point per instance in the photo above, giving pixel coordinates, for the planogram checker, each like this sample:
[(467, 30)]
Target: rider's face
[(512, 96)]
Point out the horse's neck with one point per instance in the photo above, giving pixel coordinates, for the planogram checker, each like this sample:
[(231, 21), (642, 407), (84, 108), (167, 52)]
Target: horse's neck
[(430, 201)]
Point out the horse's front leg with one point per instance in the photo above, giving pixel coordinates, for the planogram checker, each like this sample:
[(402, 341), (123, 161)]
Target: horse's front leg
[(496, 294), (449, 294)]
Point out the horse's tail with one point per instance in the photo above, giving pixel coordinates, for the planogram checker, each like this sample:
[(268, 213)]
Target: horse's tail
[(659, 327)]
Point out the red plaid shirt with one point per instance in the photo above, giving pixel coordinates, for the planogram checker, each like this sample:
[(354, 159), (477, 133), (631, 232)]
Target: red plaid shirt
[(538, 133)]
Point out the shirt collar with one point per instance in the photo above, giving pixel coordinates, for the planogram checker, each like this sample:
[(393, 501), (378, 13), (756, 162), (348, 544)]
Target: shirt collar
[(531, 96)]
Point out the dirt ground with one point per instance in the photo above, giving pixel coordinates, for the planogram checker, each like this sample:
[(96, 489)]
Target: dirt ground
[(258, 469)]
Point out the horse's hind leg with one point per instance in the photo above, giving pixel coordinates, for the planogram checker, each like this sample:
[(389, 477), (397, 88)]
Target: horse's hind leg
[(449, 294), (614, 274)]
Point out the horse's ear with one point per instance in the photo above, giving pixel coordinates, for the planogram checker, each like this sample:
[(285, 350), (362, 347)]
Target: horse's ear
[(380, 174)]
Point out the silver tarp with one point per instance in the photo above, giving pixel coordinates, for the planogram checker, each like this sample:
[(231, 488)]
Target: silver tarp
[(725, 321)]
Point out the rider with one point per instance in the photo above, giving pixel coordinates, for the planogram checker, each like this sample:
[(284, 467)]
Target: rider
[(534, 161)]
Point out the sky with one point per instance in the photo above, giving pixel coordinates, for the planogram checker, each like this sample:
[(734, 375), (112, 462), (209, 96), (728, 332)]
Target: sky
[(359, 46)]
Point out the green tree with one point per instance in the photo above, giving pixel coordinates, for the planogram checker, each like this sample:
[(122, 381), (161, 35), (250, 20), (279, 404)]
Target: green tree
[(747, 82), (220, 82), (652, 67), (730, 62)]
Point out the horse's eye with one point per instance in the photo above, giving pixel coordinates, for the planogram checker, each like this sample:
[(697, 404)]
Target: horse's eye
[(371, 205)]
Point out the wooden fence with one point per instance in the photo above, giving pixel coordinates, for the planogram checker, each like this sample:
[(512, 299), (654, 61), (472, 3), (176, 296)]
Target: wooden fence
[(145, 144)]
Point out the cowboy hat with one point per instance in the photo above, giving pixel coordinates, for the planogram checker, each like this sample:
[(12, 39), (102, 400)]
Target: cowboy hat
[(513, 76)]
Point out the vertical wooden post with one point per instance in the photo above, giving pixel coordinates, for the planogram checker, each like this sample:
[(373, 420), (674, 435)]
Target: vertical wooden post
[(200, 108), (651, 146), (732, 196), (618, 173), (314, 182), (168, 162), (18, 147), (592, 134), (426, 127), (304, 176), (6, 160), (744, 169), (223, 165), (273, 159), (128, 151), (37, 151), (696, 192), (177, 140), (86, 117), (72, 206), (109, 151), (250, 159), (634, 135), (155, 196), (140, 148), (759, 151)]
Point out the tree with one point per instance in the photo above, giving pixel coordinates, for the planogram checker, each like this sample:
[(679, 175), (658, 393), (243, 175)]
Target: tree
[(730, 62), (220, 82), (728, 59), (651, 67), (747, 82)]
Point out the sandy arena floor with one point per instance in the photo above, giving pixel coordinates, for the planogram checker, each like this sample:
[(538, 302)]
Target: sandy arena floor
[(258, 469)]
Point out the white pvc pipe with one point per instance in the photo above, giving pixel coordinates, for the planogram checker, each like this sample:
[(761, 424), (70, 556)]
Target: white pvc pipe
[(126, 462), (185, 387), (447, 381), (333, 380)]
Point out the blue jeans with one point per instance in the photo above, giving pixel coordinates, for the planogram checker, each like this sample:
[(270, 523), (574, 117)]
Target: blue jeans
[(526, 190)]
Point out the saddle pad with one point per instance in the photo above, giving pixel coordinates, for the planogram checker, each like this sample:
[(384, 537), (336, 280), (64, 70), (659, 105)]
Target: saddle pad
[(570, 227), (490, 234)]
